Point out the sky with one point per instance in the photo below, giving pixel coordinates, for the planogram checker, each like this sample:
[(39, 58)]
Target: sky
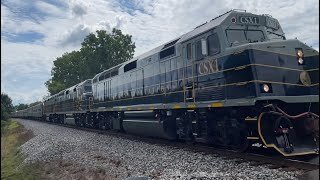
[(34, 32)]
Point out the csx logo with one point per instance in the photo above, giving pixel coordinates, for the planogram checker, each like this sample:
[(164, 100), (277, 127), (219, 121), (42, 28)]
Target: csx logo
[(249, 20), (208, 67)]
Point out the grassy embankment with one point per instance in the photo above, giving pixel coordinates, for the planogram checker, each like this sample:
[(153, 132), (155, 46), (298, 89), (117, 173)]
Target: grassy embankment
[(12, 136)]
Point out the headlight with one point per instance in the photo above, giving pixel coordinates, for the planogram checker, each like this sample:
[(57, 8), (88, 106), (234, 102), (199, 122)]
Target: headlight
[(265, 88), (300, 61), (300, 53), (300, 56)]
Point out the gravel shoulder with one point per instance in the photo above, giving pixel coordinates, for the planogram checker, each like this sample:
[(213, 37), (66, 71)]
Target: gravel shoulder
[(108, 157)]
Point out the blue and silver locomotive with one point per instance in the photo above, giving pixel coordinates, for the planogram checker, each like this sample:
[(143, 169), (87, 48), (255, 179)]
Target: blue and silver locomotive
[(233, 82)]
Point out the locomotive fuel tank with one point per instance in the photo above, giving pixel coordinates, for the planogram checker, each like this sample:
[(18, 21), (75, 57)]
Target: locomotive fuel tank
[(148, 123)]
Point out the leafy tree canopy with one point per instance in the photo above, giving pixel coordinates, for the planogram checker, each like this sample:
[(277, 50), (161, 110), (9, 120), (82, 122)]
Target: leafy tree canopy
[(21, 107), (34, 103), (25, 106), (6, 106), (99, 51)]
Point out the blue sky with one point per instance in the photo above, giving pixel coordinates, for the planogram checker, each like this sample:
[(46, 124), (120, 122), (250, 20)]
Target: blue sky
[(34, 33)]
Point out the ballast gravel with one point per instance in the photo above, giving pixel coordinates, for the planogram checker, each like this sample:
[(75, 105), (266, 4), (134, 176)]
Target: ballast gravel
[(124, 158)]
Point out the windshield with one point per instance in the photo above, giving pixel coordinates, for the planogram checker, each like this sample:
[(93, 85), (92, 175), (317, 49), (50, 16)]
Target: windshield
[(272, 35), (241, 36)]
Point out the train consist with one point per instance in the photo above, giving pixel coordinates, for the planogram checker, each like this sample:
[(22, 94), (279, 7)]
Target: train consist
[(233, 82)]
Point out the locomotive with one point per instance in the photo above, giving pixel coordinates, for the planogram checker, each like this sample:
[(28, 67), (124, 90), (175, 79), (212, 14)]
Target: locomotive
[(233, 82)]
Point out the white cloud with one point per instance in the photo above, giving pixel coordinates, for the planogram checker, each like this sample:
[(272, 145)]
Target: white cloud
[(79, 9), (25, 68), (49, 8), (75, 36), (151, 23), (27, 97)]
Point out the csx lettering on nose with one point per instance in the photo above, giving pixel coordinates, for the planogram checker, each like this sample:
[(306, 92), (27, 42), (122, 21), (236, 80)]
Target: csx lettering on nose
[(207, 67), (249, 20)]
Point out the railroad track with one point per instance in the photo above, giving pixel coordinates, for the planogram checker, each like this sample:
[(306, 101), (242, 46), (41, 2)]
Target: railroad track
[(272, 161)]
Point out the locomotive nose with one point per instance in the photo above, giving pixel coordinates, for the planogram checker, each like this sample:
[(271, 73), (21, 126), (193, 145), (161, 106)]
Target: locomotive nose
[(290, 135)]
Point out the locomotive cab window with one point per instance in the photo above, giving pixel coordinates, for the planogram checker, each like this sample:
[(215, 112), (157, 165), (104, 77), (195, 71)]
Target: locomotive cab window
[(271, 35), (254, 36), (213, 44), (167, 52), (199, 54), (87, 88), (107, 75), (130, 66), (236, 36), (189, 51), (114, 73)]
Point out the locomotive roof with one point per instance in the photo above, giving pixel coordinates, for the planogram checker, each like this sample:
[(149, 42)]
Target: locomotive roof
[(205, 27), (83, 82), (74, 86), (223, 19), (198, 30), (69, 88), (109, 70)]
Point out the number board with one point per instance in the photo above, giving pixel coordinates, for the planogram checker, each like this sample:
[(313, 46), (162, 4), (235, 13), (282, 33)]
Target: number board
[(252, 20)]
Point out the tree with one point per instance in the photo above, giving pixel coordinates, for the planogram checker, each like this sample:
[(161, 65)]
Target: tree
[(99, 51), (21, 107), (34, 103), (104, 51), (54, 86), (6, 106), (68, 70)]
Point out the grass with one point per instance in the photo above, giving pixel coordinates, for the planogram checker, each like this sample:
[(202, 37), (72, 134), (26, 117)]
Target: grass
[(12, 168), (12, 136)]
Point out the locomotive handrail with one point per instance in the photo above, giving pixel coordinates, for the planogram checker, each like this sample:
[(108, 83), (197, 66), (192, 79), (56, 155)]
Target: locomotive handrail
[(297, 116)]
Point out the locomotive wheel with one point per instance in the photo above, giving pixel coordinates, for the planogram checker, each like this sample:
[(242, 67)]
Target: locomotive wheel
[(101, 121), (95, 120), (229, 133), (184, 127), (88, 120), (62, 118), (83, 120), (76, 120), (240, 141), (104, 121), (284, 139)]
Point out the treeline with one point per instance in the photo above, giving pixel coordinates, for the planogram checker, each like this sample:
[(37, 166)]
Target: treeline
[(99, 51), (22, 106), (6, 106)]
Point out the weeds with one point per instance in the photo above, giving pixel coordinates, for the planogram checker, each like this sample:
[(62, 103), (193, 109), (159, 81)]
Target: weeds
[(12, 136)]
